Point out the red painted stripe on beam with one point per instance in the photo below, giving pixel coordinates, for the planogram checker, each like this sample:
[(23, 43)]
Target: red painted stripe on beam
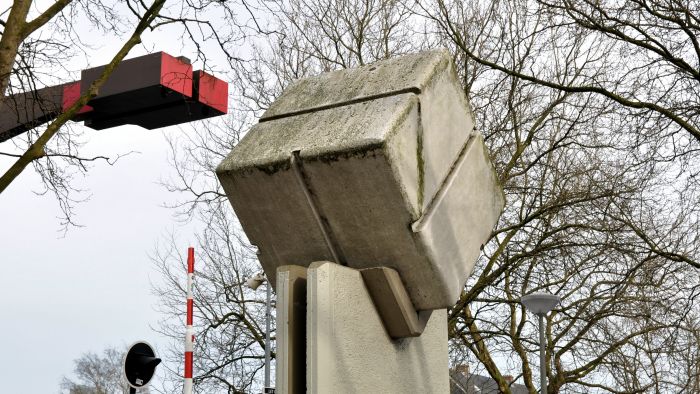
[(212, 92), (188, 365), (176, 74), (71, 94)]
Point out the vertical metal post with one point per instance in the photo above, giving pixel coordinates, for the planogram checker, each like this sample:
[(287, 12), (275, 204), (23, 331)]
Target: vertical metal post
[(189, 329), (543, 362), (267, 335)]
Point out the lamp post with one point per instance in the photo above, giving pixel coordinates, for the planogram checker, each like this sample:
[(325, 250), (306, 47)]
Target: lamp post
[(540, 304), (254, 282)]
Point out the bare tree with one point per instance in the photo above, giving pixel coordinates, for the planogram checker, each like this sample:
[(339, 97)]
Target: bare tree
[(229, 317), (642, 55), (19, 70), (601, 196), (99, 374), (39, 51)]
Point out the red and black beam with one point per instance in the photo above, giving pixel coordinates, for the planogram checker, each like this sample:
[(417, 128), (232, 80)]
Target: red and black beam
[(150, 91)]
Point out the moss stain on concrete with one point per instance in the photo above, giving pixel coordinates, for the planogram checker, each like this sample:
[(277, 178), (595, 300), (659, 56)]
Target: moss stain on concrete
[(421, 163)]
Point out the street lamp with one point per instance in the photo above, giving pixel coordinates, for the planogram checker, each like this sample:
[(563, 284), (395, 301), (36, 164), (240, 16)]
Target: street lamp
[(540, 304), (254, 282)]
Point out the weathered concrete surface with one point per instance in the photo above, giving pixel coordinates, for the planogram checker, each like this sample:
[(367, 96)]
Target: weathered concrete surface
[(290, 363), (349, 351), (401, 74), (377, 166)]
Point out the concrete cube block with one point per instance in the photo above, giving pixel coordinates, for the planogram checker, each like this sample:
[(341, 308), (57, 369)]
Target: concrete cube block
[(374, 166)]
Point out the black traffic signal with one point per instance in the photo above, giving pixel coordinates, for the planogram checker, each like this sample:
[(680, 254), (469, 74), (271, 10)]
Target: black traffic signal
[(140, 364)]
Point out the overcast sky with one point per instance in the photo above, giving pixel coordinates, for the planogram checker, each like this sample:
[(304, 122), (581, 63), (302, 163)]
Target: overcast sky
[(63, 296)]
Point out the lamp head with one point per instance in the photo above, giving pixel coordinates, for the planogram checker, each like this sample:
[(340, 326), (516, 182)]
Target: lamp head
[(255, 281), (540, 303)]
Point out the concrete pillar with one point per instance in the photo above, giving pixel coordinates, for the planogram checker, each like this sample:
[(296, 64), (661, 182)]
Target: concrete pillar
[(348, 349), (291, 330)]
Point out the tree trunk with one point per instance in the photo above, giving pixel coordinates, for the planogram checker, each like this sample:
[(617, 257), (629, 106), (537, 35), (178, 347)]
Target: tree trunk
[(11, 39)]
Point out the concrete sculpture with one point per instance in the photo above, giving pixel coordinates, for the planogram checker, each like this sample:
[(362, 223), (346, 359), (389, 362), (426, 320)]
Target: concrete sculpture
[(375, 166), (369, 194)]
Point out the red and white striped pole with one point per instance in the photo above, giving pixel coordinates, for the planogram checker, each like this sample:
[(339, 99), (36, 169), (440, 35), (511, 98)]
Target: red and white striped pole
[(189, 331)]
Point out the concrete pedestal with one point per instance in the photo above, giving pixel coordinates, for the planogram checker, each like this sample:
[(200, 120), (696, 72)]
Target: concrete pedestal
[(347, 348)]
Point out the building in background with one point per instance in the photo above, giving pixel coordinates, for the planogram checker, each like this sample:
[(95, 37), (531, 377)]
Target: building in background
[(464, 382)]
